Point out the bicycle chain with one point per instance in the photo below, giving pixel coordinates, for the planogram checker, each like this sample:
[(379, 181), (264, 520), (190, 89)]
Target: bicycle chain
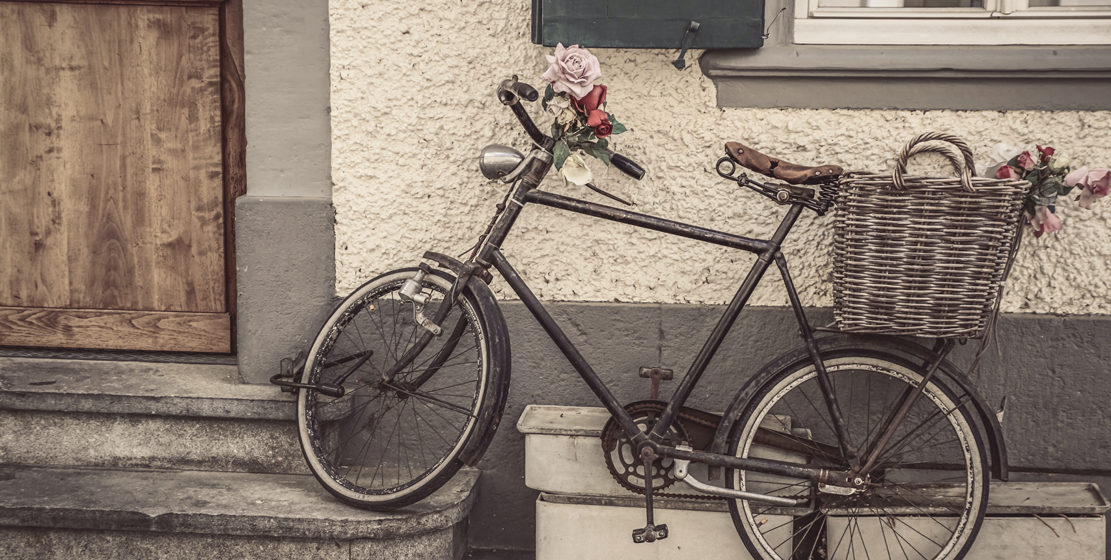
[(612, 435)]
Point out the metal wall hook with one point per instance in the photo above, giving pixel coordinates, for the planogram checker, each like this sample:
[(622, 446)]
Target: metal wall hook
[(688, 39)]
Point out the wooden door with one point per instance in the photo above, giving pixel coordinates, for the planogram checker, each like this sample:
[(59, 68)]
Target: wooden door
[(114, 197)]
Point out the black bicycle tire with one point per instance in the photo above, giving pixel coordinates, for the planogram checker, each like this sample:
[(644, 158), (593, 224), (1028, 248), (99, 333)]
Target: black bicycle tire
[(755, 390), (488, 411)]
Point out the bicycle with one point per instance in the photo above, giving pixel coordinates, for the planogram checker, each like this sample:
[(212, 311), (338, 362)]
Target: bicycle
[(843, 444)]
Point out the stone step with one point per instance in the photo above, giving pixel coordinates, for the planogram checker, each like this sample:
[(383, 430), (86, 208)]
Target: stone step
[(113, 513), (143, 415)]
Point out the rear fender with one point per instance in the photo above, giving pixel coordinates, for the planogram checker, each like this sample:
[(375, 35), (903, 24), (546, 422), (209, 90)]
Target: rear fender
[(899, 348)]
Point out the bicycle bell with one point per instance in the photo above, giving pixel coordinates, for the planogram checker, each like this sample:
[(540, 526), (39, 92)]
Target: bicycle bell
[(498, 161)]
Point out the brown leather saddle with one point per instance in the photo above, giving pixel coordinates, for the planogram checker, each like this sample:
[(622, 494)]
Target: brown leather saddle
[(779, 169)]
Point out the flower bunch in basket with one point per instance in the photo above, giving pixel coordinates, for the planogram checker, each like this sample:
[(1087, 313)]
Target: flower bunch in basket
[(1050, 176), (582, 125)]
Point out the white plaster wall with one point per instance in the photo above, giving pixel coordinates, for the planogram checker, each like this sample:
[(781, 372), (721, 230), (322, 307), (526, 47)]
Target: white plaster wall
[(413, 103)]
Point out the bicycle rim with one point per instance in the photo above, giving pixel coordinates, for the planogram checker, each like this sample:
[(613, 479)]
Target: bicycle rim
[(383, 445), (925, 499)]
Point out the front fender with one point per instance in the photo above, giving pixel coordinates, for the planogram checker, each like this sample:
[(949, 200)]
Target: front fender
[(499, 358)]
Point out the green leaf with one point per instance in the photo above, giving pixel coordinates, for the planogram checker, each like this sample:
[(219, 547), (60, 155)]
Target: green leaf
[(603, 155), (580, 137), (561, 153), (549, 93), (598, 149), (618, 128), (1049, 188)]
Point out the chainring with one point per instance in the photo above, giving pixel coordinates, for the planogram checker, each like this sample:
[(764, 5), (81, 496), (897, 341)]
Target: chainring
[(622, 459)]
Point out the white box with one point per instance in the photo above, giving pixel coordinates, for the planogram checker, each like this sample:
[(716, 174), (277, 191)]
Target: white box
[(583, 514), (600, 528), (563, 452)]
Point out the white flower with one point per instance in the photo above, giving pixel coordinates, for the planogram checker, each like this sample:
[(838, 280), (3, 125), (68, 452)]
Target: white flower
[(576, 171), (1000, 155), (558, 103), (567, 116), (1059, 162)]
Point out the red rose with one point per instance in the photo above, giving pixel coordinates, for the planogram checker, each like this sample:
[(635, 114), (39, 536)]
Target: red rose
[(1007, 172), (1045, 153), (600, 122), (591, 101)]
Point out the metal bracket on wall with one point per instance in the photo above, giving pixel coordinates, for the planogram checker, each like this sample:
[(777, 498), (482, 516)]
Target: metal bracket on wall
[(688, 39), (656, 374)]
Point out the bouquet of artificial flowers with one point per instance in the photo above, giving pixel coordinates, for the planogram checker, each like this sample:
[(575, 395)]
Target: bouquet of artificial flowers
[(582, 125), (1050, 176)]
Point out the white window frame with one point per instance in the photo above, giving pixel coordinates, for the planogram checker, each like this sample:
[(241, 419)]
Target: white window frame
[(1000, 22)]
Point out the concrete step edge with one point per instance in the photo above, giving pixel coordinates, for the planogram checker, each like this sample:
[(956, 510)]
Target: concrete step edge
[(215, 503), (160, 389)]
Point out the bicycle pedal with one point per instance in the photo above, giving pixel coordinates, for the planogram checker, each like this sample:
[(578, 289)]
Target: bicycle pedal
[(650, 533)]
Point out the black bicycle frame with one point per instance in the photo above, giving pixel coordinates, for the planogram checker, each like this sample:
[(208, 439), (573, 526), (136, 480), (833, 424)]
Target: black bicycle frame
[(766, 251)]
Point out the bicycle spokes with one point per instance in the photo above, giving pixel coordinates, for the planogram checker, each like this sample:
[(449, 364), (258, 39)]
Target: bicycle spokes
[(923, 495)]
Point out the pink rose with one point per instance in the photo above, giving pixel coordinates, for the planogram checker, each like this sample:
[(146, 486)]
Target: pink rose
[(573, 70), (1007, 172), (1096, 185), (1076, 176), (1026, 161), (1044, 221)]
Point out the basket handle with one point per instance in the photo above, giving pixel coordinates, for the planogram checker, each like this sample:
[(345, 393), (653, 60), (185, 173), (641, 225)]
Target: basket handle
[(963, 166)]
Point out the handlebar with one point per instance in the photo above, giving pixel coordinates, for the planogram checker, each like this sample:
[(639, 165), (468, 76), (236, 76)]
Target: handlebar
[(511, 91), (627, 166)]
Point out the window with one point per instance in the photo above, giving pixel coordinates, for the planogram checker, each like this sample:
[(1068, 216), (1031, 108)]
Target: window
[(953, 22)]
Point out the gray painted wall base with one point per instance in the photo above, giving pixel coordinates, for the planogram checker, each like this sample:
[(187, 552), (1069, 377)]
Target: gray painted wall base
[(1052, 369), (286, 278)]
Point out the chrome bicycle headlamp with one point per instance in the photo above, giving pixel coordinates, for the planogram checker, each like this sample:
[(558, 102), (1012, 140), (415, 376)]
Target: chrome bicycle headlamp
[(498, 161)]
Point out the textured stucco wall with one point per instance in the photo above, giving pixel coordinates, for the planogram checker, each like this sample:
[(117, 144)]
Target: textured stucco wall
[(413, 103)]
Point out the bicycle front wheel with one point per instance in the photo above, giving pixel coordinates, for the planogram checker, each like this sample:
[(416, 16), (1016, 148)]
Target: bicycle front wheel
[(387, 443), (926, 496)]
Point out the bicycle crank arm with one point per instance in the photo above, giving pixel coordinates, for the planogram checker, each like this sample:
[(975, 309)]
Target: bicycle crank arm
[(681, 472)]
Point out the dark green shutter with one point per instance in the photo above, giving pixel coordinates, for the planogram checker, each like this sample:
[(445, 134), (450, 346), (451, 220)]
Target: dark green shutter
[(648, 24)]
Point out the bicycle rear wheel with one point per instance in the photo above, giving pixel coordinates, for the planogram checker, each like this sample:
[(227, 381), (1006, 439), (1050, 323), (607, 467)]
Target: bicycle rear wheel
[(926, 497), (387, 444)]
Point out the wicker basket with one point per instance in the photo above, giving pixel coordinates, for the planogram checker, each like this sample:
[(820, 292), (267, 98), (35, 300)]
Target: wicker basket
[(923, 256)]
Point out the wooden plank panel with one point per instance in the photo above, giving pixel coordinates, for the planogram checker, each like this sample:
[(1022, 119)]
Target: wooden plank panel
[(113, 183), (182, 56), (32, 242), (116, 330), (189, 3)]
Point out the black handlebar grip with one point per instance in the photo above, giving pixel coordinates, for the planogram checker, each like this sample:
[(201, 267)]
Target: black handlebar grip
[(526, 91), (627, 166)]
